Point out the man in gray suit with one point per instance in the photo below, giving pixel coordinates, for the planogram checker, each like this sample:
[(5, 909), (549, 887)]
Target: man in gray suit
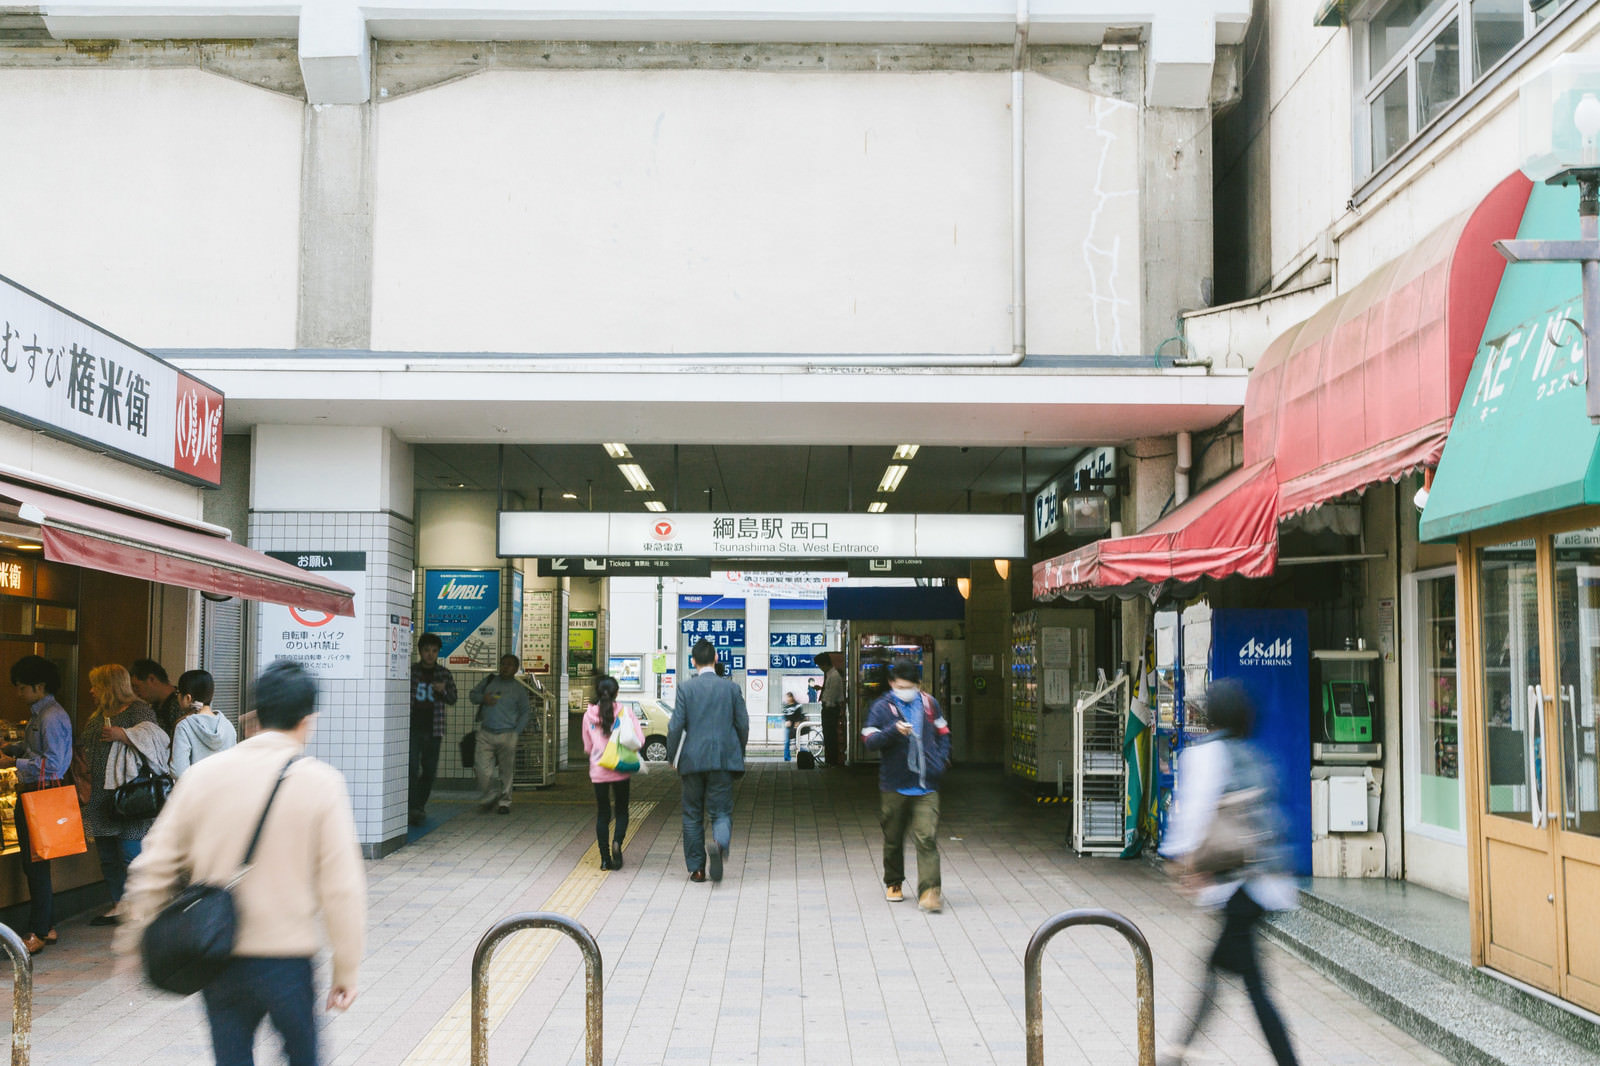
[(709, 729)]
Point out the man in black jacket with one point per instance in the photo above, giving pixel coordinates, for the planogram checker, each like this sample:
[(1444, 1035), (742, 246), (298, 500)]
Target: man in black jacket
[(907, 728), (433, 692)]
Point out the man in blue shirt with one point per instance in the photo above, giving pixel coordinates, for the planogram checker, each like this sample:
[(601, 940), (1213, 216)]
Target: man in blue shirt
[(503, 714), (907, 728)]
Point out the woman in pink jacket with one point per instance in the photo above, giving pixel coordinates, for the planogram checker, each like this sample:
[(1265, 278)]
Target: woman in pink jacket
[(609, 785)]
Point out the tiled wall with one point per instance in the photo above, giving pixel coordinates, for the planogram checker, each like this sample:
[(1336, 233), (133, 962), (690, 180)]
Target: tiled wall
[(364, 726)]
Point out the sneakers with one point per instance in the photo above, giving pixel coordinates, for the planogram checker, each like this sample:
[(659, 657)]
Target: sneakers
[(714, 856), (930, 901), (505, 808), (893, 894)]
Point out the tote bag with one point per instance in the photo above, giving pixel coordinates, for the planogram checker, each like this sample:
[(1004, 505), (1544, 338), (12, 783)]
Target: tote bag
[(55, 825), (618, 756)]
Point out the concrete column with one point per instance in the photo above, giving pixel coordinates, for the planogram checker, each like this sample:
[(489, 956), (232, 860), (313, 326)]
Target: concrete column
[(1175, 221), (336, 183), (339, 488)]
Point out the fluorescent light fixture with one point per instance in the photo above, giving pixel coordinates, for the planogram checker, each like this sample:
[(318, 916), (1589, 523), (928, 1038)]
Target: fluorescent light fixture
[(906, 452), (617, 451), (635, 476), (654, 505), (878, 506), (569, 495), (891, 477)]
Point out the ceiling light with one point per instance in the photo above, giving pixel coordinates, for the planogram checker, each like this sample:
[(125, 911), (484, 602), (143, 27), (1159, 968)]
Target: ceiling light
[(569, 495), (24, 546), (964, 586), (1003, 568), (617, 451), (907, 451), (654, 505), (635, 476), (878, 506), (891, 477)]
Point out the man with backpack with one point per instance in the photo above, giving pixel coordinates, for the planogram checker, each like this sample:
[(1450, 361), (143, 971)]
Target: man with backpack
[(908, 729)]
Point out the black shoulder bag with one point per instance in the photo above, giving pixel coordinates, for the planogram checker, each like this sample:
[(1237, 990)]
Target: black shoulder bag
[(142, 797), (191, 940)]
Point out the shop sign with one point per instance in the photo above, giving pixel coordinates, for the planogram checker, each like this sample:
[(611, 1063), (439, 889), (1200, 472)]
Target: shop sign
[(582, 626), (327, 645), (799, 584), (16, 577), (760, 535), (796, 651), (721, 632), (1047, 508), (463, 608), (538, 632), (69, 378), (1545, 354)]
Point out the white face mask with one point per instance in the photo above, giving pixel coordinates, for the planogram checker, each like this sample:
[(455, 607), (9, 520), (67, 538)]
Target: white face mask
[(905, 695)]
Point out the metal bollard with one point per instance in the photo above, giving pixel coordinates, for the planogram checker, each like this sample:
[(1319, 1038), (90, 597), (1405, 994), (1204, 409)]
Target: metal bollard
[(21, 996), (480, 978), (1143, 966)]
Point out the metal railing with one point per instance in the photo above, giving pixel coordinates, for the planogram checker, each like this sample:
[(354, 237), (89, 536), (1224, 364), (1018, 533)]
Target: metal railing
[(1143, 966), (480, 978), (21, 996)]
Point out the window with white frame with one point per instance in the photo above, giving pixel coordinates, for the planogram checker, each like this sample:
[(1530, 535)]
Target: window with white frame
[(1434, 798), (1414, 58)]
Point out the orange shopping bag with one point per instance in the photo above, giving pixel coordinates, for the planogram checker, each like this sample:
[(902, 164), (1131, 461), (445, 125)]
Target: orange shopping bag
[(55, 825)]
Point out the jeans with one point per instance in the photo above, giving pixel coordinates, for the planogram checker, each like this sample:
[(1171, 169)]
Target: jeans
[(604, 793), (496, 752), (424, 766), (833, 735), (115, 855), (707, 793), (1236, 952), (249, 990), (921, 813), (41, 895)]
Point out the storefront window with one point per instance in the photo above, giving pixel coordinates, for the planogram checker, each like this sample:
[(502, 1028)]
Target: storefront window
[(1509, 625), (1577, 557), (1435, 740)]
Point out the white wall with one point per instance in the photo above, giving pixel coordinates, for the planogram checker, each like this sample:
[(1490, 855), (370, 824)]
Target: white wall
[(329, 468), (725, 211), (457, 529), (160, 204)]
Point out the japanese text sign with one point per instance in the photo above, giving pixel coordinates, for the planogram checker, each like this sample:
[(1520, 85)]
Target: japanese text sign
[(327, 645), (71, 379)]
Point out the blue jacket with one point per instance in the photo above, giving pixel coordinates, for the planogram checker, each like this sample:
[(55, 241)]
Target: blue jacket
[(709, 727), (881, 734)]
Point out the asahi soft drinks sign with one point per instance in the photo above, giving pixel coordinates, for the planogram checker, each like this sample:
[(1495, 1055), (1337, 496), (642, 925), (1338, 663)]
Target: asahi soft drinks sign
[(69, 378)]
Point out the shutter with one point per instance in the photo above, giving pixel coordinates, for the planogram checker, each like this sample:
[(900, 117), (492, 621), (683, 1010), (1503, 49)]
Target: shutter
[(222, 653)]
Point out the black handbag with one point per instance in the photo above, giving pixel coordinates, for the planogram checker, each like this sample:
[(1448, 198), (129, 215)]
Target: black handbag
[(186, 946), (142, 798)]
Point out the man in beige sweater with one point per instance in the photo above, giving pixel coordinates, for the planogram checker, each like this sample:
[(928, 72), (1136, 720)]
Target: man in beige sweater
[(307, 863)]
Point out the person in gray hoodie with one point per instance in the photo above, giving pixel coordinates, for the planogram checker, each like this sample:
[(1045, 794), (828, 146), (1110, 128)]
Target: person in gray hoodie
[(200, 730)]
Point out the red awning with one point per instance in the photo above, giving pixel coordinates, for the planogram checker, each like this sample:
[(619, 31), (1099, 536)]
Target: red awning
[(146, 546), (1229, 528), (1364, 390)]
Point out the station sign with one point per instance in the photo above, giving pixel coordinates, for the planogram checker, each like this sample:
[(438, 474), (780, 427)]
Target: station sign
[(757, 535), (589, 566), (68, 378)]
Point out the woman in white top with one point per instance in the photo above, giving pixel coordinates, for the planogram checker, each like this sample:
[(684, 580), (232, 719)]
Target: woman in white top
[(200, 730), (1226, 764)]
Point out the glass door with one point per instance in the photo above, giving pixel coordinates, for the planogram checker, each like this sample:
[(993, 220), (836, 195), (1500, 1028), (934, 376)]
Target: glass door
[(1576, 762), (1516, 851)]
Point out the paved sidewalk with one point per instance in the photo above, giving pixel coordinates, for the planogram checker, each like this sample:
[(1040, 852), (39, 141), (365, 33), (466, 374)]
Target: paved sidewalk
[(794, 959)]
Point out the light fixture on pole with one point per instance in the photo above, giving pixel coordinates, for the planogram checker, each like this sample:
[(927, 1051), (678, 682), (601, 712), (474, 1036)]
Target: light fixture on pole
[(1559, 125), (1003, 568)]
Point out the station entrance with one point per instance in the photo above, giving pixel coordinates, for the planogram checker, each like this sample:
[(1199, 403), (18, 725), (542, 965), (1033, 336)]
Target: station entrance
[(615, 558)]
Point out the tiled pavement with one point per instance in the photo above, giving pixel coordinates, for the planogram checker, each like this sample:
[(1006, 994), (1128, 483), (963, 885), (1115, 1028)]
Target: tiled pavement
[(794, 959)]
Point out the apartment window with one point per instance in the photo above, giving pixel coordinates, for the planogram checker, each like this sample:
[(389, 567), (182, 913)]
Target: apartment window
[(1416, 57)]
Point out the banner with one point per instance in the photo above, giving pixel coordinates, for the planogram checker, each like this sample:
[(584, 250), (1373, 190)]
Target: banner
[(463, 608), (326, 645)]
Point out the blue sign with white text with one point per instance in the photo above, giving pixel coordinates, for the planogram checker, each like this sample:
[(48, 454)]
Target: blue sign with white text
[(462, 607), (723, 632)]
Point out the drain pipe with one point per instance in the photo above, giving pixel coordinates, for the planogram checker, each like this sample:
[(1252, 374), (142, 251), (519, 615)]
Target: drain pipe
[(1019, 207), (1180, 476)]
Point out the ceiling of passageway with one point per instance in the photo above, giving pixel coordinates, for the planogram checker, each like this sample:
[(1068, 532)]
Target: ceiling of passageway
[(754, 477)]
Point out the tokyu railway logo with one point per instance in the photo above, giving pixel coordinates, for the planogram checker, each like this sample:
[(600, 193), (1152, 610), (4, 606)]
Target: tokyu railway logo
[(1255, 653), (463, 591)]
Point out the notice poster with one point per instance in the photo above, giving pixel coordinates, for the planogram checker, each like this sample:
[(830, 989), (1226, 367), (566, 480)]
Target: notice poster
[(538, 632), (399, 647), (628, 670), (463, 608), (582, 627), (327, 645), (516, 613)]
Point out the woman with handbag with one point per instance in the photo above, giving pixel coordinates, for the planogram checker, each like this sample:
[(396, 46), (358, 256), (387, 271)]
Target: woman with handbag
[(1229, 845), (600, 722), (116, 710), (42, 760)]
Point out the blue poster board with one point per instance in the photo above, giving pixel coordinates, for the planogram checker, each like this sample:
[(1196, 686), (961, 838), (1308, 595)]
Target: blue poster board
[(462, 607), (1269, 652), (516, 613)]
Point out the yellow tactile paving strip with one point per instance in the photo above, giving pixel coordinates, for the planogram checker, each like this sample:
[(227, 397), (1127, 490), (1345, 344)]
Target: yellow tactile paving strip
[(518, 958)]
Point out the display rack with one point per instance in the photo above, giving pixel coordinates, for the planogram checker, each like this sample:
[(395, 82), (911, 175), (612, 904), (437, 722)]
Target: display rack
[(536, 748), (1024, 696), (1099, 772), (1052, 656)]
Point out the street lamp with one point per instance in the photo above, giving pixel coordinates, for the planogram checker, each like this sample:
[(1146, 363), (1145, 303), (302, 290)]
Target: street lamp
[(1559, 121)]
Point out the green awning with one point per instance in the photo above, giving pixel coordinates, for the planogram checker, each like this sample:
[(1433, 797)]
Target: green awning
[(1521, 443)]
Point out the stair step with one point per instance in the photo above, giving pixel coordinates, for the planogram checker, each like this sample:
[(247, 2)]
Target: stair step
[(1434, 952), (1447, 1015)]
